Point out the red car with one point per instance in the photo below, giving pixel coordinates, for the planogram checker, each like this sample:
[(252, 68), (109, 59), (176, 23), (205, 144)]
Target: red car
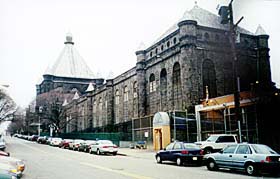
[(65, 143), (2, 153)]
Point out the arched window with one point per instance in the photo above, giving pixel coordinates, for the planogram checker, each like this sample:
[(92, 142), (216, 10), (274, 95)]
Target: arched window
[(176, 86), (125, 94), (163, 90), (152, 83), (100, 104), (117, 97), (206, 36), (168, 44), (174, 40), (135, 89), (209, 78)]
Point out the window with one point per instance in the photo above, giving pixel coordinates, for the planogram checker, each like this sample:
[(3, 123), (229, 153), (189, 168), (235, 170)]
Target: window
[(156, 50), (225, 139), (100, 104), (209, 78), (135, 89), (125, 94), (174, 40), (152, 83), (229, 149), (177, 146), (151, 54), (161, 47), (117, 97), (243, 149), (206, 36), (170, 146), (217, 37), (168, 44)]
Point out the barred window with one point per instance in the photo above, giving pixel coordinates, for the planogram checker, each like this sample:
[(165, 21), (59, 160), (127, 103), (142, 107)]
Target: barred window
[(135, 89), (117, 97), (152, 83)]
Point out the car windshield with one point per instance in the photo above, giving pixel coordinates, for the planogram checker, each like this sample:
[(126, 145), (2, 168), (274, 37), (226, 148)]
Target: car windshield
[(212, 138), (105, 142), (263, 149), (191, 146)]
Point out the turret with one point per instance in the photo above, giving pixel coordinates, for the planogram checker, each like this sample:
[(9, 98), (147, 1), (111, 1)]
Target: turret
[(263, 66), (140, 70), (188, 30)]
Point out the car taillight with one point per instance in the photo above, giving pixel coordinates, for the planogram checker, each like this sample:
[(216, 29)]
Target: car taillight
[(184, 152), (268, 159), (115, 146), (105, 147), (201, 152)]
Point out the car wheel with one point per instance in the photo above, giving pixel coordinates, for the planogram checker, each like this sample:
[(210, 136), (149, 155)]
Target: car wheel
[(250, 169), (159, 159), (114, 153), (208, 150), (211, 165), (179, 161), (98, 152)]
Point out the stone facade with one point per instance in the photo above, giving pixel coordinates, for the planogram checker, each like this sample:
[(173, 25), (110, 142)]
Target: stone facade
[(172, 74)]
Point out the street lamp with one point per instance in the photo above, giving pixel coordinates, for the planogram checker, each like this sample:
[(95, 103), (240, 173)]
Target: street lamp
[(39, 125)]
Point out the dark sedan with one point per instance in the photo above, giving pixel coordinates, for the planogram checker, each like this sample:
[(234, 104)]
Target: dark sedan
[(251, 158), (181, 153)]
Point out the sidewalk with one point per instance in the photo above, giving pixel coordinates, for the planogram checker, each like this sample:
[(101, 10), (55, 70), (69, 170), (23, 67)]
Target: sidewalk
[(137, 153)]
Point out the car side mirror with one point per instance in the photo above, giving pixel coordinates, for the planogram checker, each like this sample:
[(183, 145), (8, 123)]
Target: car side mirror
[(164, 149), (221, 151)]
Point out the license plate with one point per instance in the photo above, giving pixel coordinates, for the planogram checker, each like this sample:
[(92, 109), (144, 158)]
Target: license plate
[(194, 158)]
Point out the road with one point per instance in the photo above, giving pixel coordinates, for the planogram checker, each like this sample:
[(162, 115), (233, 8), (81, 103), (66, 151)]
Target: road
[(46, 162)]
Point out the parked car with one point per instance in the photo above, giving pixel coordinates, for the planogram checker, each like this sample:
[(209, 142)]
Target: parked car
[(8, 171), (7, 175), (75, 144), (17, 164), (2, 153), (103, 147), (33, 138), (65, 143), (251, 158), (216, 142), (42, 139), (55, 141), (85, 146), (180, 152)]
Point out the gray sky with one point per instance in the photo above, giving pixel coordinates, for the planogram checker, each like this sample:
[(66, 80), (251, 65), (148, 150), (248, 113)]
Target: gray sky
[(106, 33)]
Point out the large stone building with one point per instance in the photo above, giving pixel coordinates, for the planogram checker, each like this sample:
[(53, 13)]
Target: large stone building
[(191, 61)]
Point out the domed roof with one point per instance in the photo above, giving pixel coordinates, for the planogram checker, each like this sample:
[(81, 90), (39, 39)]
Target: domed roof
[(203, 18), (70, 63)]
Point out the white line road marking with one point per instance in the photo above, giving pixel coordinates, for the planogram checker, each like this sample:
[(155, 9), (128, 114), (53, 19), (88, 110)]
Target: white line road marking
[(116, 171)]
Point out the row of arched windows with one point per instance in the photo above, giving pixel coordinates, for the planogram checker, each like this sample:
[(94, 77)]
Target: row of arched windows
[(126, 94)]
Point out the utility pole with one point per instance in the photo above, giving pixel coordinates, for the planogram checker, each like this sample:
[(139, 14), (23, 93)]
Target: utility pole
[(226, 13)]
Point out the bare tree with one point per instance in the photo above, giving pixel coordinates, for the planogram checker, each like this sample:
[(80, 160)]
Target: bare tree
[(18, 122), (7, 106)]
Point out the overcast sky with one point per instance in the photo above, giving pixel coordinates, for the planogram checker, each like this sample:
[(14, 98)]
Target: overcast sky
[(106, 33)]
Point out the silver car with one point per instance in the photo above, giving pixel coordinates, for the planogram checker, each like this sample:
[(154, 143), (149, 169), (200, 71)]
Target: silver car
[(251, 158), (103, 147)]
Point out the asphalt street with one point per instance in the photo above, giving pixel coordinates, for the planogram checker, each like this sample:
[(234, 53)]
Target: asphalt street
[(46, 162)]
